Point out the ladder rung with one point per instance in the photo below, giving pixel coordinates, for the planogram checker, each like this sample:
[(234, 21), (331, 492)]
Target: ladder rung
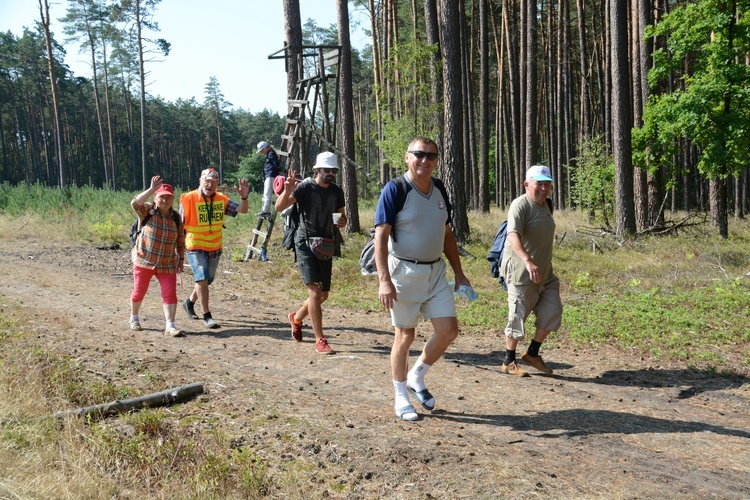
[(288, 137), (260, 233), (290, 121), (282, 153), (297, 102)]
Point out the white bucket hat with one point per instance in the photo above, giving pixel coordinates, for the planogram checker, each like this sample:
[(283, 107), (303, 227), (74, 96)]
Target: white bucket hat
[(326, 160), (262, 145)]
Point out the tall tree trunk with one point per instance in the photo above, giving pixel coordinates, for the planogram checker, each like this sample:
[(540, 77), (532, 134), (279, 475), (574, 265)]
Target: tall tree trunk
[(560, 131), (501, 145), (436, 82), (110, 131), (654, 180), (80, 20), (531, 156), (451, 167), (377, 74), (484, 109), (523, 72), (142, 81), (471, 180), (550, 76), (59, 150), (640, 186), (514, 91), (585, 94), (621, 120), (293, 29), (349, 173)]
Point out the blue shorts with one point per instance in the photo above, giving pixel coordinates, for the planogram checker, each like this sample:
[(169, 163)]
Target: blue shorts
[(204, 264)]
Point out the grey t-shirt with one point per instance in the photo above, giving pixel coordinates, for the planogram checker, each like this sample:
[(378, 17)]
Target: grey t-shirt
[(420, 226)]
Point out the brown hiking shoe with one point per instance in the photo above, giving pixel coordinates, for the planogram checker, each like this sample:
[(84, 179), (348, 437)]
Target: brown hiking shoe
[(322, 347), (514, 369), (537, 362)]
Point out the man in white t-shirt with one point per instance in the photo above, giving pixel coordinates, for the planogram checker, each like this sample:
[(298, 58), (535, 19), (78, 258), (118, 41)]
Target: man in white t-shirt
[(409, 243)]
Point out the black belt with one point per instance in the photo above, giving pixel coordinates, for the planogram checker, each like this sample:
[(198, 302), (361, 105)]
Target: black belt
[(423, 262)]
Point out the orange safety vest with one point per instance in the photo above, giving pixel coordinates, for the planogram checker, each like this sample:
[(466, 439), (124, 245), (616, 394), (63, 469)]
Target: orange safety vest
[(199, 234)]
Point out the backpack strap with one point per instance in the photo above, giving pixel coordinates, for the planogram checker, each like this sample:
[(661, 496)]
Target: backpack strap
[(143, 222), (441, 187), (401, 188)]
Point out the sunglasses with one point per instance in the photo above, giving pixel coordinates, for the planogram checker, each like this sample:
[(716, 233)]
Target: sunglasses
[(329, 170), (422, 154)]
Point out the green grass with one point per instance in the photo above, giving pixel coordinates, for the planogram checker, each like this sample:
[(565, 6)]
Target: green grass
[(680, 300), (675, 298)]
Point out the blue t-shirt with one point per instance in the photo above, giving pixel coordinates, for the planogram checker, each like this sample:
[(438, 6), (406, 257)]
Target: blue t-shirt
[(271, 169)]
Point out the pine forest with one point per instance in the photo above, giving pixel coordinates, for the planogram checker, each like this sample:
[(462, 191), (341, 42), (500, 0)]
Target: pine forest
[(641, 108)]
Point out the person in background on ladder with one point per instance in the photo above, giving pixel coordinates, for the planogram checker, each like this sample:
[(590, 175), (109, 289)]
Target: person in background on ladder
[(319, 202), (203, 211), (159, 251), (527, 267), (270, 171)]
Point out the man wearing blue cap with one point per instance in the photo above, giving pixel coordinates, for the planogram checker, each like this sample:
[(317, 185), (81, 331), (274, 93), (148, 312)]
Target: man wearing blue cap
[(527, 268)]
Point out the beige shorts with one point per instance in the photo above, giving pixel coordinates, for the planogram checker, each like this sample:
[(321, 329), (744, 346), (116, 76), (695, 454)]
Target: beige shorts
[(420, 289), (543, 300)]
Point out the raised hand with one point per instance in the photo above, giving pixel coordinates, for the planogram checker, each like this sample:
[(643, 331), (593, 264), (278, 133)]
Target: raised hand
[(291, 180), (156, 182), (243, 187)]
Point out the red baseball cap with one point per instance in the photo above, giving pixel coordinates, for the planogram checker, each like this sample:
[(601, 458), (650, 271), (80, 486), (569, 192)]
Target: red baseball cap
[(165, 190)]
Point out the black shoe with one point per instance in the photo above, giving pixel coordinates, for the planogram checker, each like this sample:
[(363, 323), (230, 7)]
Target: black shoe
[(264, 215), (190, 309)]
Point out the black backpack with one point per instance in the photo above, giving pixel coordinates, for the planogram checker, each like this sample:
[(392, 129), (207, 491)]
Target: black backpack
[(136, 228), (498, 246)]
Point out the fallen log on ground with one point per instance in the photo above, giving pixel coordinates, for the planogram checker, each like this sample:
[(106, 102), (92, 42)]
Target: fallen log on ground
[(163, 398)]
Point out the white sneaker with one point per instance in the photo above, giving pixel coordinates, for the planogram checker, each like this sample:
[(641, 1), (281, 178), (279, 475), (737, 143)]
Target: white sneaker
[(173, 332)]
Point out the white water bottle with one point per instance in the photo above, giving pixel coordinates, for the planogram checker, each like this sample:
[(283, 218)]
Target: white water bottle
[(465, 292)]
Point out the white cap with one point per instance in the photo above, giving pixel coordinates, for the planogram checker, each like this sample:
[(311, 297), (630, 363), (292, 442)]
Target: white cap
[(326, 160), (262, 145), (539, 173)]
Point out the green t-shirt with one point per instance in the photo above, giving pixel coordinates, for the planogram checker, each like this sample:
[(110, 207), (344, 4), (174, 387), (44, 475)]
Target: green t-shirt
[(536, 227)]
